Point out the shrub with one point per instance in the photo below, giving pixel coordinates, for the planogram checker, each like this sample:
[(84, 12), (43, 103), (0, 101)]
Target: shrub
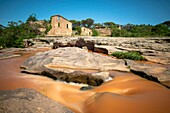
[(48, 28), (95, 32), (129, 55), (120, 33), (2, 42), (116, 33), (14, 34), (78, 28)]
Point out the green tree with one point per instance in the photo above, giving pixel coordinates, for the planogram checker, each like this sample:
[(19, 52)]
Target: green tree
[(128, 27), (75, 23), (32, 18), (47, 26), (97, 25), (76, 26), (138, 30), (167, 23), (78, 29), (87, 23), (15, 32), (110, 24), (84, 23), (1, 29), (116, 33), (161, 30), (1, 26)]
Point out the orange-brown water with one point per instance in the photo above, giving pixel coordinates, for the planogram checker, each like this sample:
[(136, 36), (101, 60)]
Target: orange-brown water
[(124, 94)]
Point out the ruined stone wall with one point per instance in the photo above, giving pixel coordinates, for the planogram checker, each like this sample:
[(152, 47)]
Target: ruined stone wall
[(60, 27), (104, 31), (85, 31), (39, 24)]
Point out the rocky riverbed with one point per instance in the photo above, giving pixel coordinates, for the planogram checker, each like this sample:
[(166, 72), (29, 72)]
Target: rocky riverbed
[(155, 50), (109, 84)]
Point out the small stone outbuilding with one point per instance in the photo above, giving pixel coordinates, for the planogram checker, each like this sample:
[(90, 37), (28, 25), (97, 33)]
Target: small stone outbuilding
[(60, 26), (104, 31), (86, 31)]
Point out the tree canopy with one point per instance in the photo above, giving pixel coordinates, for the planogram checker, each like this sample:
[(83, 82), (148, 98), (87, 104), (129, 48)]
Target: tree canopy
[(75, 23), (32, 18), (167, 23), (89, 22), (15, 32), (128, 30), (109, 24), (85, 23)]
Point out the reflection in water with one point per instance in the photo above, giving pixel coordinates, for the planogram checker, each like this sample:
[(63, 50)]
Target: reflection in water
[(130, 94)]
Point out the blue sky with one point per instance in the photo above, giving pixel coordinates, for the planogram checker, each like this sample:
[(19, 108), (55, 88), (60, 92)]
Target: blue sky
[(118, 11)]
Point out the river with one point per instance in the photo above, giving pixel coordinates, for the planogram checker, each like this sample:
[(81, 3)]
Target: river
[(123, 94)]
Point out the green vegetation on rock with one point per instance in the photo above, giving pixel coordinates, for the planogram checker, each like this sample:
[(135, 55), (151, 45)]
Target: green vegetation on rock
[(15, 32), (95, 33), (47, 25), (128, 55), (48, 28)]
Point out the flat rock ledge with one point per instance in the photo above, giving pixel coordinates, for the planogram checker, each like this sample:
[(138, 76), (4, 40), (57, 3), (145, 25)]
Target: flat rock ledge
[(158, 71), (28, 101), (8, 55), (72, 64)]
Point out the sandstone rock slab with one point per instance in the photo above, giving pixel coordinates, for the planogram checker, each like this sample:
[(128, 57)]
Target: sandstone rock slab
[(28, 101), (161, 72), (72, 62)]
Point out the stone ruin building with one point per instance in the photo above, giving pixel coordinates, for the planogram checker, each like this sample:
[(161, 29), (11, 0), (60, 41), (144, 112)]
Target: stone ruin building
[(60, 26), (63, 27), (86, 31), (104, 31)]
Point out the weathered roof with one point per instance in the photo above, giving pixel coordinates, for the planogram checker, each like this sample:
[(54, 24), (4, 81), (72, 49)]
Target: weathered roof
[(85, 27), (60, 16)]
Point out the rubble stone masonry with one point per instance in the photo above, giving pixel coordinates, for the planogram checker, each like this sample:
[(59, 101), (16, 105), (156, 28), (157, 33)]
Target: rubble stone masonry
[(85, 31), (60, 26)]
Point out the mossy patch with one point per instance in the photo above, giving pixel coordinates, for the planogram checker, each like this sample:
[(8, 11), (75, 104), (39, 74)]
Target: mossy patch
[(128, 55)]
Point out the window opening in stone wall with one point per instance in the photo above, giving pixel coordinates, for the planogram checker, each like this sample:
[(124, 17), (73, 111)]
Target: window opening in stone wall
[(58, 24), (67, 25), (58, 18)]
